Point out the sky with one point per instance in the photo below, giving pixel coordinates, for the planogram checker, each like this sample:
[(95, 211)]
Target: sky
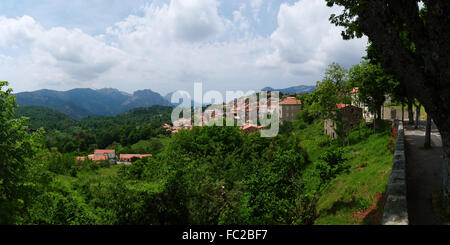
[(167, 45)]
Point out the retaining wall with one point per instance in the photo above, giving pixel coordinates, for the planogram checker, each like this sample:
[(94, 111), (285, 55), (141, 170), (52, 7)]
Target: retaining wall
[(396, 208)]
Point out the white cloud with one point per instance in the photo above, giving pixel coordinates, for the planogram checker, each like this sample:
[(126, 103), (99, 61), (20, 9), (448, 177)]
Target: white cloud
[(170, 46), (20, 31), (180, 20), (256, 7), (305, 42), (240, 20), (58, 55)]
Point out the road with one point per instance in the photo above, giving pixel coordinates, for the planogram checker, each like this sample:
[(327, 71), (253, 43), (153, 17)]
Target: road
[(424, 174)]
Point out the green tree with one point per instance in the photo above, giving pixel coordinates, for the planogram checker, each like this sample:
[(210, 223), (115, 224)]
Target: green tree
[(373, 85), (412, 45), (17, 147), (333, 89)]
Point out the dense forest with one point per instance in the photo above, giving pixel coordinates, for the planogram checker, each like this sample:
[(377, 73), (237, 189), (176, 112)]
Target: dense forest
[(137, 131), (208, 175)]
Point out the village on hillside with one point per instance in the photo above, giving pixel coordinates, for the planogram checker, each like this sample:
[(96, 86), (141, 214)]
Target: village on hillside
[(290, 106)]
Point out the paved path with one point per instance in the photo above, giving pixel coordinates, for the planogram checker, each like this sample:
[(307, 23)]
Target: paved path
[(424, 174)]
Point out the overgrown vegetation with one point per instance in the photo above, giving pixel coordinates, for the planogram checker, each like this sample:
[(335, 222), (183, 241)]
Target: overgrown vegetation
[(205, 176), (138, 131)]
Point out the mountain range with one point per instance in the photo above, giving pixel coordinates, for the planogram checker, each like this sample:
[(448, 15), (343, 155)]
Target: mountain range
[(85, 102), (301, 89)]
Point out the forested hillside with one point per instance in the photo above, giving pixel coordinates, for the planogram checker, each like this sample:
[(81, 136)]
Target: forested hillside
[(81, 103), (135, 131), (44, 117), (205, 176)]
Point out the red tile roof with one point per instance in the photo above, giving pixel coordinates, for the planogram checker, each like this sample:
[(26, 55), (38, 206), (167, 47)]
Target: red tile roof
[(98, 158), (340, 106), (98, 151), (131, 156), (291, 101)]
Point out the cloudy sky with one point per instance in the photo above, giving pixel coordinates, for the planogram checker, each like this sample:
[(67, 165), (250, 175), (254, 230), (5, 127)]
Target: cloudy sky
[(166, 45)]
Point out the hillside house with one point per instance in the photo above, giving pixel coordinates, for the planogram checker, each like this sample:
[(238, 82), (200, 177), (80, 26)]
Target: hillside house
[(102, 155), (96, 158), (128, 158), (289, 108), (110, 154), (350, 114), (387, 113)]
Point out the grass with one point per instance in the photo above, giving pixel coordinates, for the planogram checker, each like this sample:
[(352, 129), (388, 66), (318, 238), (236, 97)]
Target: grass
[(313, 140), (355, 197), (102, 172)]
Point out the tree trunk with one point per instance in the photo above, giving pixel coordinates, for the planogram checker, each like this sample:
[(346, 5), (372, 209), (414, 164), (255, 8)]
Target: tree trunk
[(374, 125), (379, 113), (410, 113), (427, 144), (424, 72), (418, 115), (403, 113)]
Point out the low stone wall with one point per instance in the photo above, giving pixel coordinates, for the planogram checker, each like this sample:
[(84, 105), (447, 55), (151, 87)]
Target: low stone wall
[(396, 208)]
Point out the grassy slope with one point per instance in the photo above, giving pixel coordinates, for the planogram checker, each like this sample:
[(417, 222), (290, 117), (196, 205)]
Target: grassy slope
[(356, 196), (102, 172)]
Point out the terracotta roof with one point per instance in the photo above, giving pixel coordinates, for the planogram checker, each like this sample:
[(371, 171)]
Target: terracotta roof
[(248, 126), (131, 156), (98, 151), (182, 122), (340, 106), (291, 101), (97, 158)]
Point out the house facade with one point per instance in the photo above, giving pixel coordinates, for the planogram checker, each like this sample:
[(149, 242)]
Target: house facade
[(350, 115), (289, 108), (387, 113), (110, 154)]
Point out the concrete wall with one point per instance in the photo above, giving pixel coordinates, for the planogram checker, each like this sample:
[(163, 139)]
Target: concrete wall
[(396, 113), (396, 208)]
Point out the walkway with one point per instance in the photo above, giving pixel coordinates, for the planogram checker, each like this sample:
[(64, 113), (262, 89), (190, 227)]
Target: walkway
[(424, 174)]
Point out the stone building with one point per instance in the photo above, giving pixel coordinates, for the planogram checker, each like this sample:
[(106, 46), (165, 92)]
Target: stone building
[(350, 115), (289, 108)]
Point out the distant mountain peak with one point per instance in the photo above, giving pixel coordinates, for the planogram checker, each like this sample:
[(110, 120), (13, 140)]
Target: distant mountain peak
[(301, 89), (268, 89), (83, 102)]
